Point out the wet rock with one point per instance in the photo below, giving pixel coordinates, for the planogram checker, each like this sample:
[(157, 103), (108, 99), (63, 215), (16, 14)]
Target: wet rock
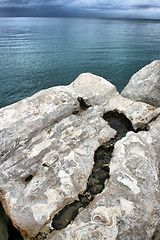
[(49, 147), (144, 85)]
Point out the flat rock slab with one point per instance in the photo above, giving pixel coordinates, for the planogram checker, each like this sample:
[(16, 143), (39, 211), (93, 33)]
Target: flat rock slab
[(47, 147)]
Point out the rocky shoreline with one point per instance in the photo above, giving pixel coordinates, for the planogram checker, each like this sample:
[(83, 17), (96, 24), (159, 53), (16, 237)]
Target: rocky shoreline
[(81, 162)]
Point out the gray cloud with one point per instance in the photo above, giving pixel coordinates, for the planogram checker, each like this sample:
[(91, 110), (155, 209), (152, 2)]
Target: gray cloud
[(97, 8), (16, 3)]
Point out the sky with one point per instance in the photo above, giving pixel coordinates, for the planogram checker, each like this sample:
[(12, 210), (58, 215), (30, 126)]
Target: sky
[(148, 9)]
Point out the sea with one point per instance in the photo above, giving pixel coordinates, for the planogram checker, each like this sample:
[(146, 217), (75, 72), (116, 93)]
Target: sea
[(39, 53)]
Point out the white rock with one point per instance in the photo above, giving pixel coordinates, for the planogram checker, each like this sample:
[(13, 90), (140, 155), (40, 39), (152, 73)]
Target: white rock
[(47, 147), (94, 89), (145, 85), (129, 206)]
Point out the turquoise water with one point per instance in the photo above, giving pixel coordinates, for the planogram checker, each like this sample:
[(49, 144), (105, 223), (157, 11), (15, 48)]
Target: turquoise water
[(38, 53)]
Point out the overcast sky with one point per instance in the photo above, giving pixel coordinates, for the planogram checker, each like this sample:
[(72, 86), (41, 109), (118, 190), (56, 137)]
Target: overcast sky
[(82, 8)]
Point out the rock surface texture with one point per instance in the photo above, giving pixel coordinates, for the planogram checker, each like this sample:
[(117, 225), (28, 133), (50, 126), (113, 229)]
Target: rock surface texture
[(145, 85), (51, 183)]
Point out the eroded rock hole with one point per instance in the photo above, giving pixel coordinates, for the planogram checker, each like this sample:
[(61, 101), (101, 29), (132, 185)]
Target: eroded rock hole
[(75, 112), (82, 103), (100, 172), (29, 178)]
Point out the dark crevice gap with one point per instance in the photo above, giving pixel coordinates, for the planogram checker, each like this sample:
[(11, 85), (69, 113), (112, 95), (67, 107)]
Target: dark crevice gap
[(119, 122), (66, 215), (83, 104), (13, 233), (100, 172)]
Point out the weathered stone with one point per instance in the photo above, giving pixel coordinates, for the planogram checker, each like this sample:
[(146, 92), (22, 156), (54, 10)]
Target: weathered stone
[(48, 144), (145, 85), (95, 90), (129, 206)]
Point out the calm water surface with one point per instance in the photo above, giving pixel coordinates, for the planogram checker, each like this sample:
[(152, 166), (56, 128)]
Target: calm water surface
[(38, 53)]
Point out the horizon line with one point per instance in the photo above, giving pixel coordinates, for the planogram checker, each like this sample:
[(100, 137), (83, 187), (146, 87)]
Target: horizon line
[(113, 18)]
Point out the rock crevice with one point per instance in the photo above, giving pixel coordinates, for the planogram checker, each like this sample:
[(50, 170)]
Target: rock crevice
[(55, 150)]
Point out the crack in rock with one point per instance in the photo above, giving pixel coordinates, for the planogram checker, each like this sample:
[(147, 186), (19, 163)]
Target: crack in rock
[(83, 104), (100, 173)]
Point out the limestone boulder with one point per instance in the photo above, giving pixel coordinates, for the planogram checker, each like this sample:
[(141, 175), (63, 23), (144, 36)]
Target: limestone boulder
[(48, 145), (145, 85), (129, 206)]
